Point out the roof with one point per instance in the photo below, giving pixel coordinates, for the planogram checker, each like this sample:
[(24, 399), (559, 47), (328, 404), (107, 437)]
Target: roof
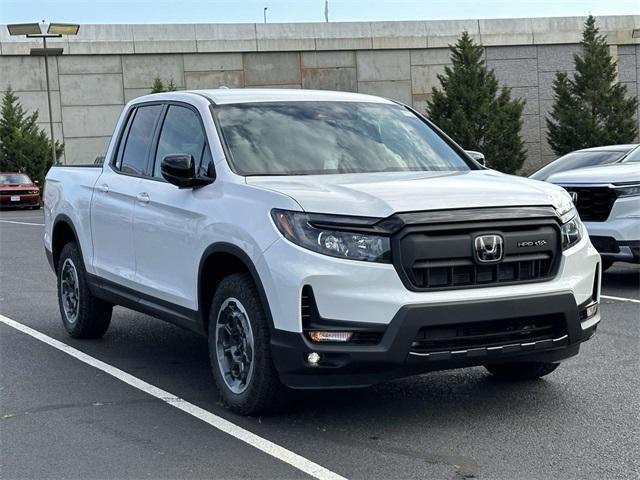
[(610, 148), (249, 95)]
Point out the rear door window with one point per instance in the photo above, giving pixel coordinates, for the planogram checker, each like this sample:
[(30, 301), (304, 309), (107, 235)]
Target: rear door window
[(139, 140)]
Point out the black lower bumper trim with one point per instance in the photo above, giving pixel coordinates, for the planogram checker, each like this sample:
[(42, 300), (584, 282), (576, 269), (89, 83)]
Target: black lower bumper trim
[(362, 365)]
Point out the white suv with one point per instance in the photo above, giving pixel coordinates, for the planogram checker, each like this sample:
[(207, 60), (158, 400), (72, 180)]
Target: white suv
[(319, 239), (608, 201)]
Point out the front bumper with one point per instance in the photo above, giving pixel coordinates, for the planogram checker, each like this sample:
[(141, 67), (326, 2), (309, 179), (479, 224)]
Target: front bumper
[(371, 296), (351, 365), (618, 238), (23, 200)]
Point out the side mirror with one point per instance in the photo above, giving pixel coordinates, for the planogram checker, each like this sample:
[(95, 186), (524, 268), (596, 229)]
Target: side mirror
[(180, 170), (36, 182), (477, 156)]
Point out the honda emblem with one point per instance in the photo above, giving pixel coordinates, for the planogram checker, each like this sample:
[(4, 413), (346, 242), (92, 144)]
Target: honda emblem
[(489, 248)]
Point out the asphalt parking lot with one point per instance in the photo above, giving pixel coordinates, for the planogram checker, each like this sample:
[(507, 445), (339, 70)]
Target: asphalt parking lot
[(62, 418)]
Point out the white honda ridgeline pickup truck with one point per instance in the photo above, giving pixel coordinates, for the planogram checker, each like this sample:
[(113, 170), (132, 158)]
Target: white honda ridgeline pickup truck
[(320, 240)]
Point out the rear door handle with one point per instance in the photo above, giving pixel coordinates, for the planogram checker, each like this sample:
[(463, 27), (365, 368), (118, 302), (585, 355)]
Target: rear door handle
[(104, 188), (143, 197)]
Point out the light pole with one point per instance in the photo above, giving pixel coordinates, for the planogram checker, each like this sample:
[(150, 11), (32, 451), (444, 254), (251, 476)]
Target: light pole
[(55, 30), (264, 14)]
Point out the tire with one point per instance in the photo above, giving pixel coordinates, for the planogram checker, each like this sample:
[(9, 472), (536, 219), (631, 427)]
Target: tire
[(83, 315), (521, 370), (240, 350), (606, 264), (36, 207)]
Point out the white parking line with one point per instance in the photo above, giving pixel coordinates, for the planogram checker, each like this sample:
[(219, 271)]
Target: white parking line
[(621, 299), (268, 447), (23, 223)]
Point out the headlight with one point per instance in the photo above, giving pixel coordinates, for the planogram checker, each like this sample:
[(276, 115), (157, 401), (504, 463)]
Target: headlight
[(627, 190), (34, 192), (296, 227), (564, 206), (571, 232)]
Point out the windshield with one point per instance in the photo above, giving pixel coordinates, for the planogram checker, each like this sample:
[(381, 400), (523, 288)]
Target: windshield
[(305, 138), (634, 156), (575, 160), (10, 178)]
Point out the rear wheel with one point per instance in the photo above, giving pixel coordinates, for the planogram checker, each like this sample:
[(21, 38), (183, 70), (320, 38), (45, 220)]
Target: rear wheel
[(521, 370), (240, 350), (83, 315)]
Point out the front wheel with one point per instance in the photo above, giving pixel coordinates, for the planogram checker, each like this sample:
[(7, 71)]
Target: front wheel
[(521, 370), (240, 350), (83, 315)]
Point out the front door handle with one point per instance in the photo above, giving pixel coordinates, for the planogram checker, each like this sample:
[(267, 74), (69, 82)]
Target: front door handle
[(104, 188), (143, 197)]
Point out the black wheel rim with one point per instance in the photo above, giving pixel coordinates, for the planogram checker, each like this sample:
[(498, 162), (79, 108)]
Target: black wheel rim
[(69, 290), (234, 345)]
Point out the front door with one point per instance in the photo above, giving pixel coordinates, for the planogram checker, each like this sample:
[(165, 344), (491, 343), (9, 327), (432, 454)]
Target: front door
[(167, 219)]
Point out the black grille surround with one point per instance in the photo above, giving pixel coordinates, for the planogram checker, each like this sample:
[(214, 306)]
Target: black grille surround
[(594, 203), (439, 255), (605, 244)]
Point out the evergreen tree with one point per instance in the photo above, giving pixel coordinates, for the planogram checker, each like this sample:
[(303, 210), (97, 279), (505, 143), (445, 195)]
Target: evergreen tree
[(171, 86), (592, 108), (23, 147), (158, 86), (473, 110)]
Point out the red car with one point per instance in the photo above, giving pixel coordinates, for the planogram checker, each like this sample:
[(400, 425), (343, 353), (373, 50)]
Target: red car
[(17, 190)]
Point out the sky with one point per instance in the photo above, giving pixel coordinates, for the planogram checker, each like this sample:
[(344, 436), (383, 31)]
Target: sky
[(250, 11)]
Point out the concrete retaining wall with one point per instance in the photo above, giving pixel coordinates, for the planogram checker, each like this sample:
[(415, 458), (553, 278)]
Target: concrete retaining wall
[(108, 65)]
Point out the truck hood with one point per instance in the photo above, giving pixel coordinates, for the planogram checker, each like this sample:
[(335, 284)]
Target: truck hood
[(383, 194), (613, 173)]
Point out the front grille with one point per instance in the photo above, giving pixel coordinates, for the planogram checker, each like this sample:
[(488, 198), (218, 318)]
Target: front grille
[(16, 192), (594, 204), (477, 335), (443, 256), (516, 268)]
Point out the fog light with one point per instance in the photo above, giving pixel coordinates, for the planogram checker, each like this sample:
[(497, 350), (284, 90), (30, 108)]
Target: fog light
[(330, 336), (313, 358), (588, 311)]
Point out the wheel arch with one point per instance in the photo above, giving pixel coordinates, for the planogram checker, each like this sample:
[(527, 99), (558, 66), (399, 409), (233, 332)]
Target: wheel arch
[(63, 232), (218, 261)]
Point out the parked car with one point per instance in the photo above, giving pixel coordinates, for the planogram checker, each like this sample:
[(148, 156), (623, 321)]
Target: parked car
[(319, 240), (18, 190), (608, 201), (587, 157)]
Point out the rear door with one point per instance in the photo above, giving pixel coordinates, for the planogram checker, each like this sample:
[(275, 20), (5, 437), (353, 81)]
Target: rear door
[(167, 219), (114, 197)]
